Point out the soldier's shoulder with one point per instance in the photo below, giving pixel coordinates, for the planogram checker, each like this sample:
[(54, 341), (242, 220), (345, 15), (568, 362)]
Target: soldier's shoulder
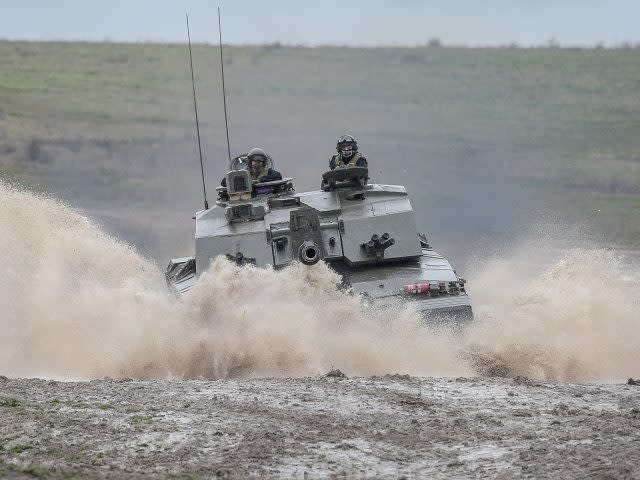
[(361, 161)]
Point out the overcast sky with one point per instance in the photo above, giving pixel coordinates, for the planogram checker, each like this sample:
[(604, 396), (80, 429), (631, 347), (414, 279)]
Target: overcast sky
[(328, 22)]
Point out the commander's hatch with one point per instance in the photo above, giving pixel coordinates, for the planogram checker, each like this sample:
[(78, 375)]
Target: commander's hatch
[(241, 187), (345, 178)]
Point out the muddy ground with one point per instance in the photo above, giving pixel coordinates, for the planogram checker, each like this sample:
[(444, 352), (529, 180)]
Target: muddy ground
[(381, 426)]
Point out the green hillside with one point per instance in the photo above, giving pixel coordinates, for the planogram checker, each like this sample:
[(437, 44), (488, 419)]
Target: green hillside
[(486, 140)]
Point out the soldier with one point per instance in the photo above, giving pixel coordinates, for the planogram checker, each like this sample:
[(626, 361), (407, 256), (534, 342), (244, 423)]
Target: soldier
[(348, 155), (258, 167), (257, 161)]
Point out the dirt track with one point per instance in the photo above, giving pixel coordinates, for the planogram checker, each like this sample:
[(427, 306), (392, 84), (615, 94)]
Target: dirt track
[(388, 426)]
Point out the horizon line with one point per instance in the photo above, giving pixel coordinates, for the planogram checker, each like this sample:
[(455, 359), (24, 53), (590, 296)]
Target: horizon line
[(433, 44)]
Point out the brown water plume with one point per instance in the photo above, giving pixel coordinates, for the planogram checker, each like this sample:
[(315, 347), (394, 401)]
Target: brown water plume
[(548, 314), (76, 303), (79, 304)]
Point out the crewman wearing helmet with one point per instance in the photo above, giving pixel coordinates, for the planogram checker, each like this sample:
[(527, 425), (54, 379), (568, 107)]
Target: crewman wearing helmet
[(258, 167), (348, 155), (260, 172)]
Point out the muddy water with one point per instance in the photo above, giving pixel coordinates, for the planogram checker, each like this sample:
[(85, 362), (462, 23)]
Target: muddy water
[(82, 305), (78, 304), (557, 315)]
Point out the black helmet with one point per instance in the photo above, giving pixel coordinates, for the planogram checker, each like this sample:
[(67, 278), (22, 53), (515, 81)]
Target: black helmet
[(346, 141)]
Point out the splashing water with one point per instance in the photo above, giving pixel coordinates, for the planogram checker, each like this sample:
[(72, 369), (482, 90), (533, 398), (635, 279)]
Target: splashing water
[(577, 320), (77, 303)]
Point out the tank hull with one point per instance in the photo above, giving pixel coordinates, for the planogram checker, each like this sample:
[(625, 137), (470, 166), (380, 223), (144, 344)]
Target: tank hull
[(381, 286)]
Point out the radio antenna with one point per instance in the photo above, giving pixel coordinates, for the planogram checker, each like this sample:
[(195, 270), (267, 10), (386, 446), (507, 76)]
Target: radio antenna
[(224, 92), (195, 108)]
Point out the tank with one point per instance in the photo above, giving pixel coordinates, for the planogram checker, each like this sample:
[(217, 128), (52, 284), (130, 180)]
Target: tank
[(364, 231)]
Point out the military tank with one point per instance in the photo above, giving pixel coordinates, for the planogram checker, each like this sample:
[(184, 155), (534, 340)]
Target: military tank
[(366, 232)]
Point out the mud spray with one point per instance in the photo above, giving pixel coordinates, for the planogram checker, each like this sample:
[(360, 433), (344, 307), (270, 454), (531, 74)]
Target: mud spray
[(76, 303)]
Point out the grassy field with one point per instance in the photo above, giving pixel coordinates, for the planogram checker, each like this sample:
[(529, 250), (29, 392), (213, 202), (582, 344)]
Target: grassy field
[(488, 141)]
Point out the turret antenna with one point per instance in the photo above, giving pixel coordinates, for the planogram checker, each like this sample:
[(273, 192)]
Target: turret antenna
[(224, 92), (195, 108)]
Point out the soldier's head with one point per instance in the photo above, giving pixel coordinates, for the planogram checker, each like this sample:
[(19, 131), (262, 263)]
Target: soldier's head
[(347, 146), (257, 160)]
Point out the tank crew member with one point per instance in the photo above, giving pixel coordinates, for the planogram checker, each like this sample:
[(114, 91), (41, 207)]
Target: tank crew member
[(258, 167), (348, 154), (257, 162)]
